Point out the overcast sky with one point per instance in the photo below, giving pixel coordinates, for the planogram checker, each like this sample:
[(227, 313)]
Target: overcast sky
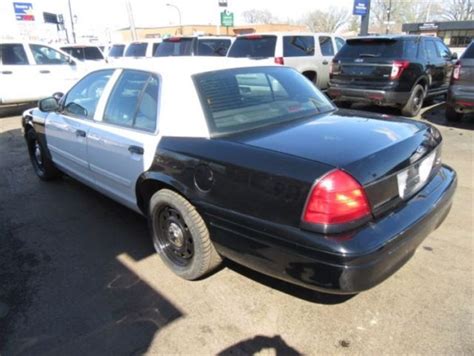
[(101, 14)]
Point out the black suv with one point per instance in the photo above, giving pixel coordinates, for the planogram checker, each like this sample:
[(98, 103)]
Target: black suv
[(461, 91), (398, 71)]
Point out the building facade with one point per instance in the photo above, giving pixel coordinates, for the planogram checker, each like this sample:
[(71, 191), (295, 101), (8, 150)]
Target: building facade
[(455, 34)]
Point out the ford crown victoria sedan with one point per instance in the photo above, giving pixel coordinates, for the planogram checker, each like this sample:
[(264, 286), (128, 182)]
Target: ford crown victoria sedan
[(228, 158)]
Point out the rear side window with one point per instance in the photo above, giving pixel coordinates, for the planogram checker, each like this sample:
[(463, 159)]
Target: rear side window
[(443, 50), (116, 51), (213, 47), (13, 54), (92, 53), (246, 98), (297, 46), (175, 47), (410, 49), (136, 50), (372, 48), (253, 46), (134, 101), (469, 52), (325, 43)]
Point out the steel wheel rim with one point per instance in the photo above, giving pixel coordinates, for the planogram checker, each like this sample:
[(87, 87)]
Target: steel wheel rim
[(37, 154), (418, 100), (172, 237)]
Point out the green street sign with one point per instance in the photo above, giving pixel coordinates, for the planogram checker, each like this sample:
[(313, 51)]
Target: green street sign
[(227, 19)]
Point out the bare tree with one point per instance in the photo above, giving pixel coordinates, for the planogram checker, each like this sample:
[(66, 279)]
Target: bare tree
[(327, 21), (458, 10), (259, 16)]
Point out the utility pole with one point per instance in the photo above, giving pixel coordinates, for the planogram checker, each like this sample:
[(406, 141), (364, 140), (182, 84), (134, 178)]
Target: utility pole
[(131, 21), (72, 22), (364, 22)]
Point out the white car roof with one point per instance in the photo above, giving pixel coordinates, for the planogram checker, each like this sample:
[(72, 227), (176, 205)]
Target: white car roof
[(288, 33)]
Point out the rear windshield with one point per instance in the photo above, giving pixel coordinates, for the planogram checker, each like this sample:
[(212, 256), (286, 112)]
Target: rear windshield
[(116, 51), (253, 46), (136, 50), (372, 48), (242, 99), (213, 47), (92, 53), (175, 47), (469, 52)]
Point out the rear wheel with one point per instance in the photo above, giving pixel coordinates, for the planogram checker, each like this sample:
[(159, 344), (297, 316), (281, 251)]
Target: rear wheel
[(42, 165), (452, 115), (415, 102), (180, 236)]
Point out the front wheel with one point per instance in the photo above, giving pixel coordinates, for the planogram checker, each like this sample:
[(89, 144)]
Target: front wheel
[(180, 236), (415, 102), (42, 164)]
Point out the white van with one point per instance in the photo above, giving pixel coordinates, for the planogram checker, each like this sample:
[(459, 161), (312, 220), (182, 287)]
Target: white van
[(31, 71), (309, 53)]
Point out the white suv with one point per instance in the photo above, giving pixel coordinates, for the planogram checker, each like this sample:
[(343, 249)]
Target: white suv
[(309, 53), (32, 71)]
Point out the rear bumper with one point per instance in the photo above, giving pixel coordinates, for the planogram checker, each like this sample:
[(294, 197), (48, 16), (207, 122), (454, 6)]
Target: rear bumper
[(340, 264), (379, 97), (461, 99)]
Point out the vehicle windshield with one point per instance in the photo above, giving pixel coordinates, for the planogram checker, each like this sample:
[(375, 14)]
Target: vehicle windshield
[(175, 46), (213, 47), (242, 99), (116, 51), (254, 46), (372, 48), (136, 50), (469, 52)]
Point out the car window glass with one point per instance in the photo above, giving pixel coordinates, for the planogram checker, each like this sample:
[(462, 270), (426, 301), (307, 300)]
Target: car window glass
[(469, 52), (410, 49), (339, 43), (47, 55), (81, 101), (93, 53), (430, 50), (155, 47), (253, 46), (443, 50), (116, 51), (213, 47), (326, 46), (296, 46), (75, 52), (136, 50), (13, 54), (246, 98), (175, 46), (133, 102)]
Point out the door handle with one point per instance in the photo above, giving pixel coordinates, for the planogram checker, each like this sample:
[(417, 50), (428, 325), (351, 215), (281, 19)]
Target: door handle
[(45, 71), (325, 62), (80, 133), (7, 72), (136, 149)]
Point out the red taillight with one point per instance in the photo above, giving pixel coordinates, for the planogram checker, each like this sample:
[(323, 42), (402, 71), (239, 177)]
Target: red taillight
[(397, 69), (279, 60), (457, 71), (336, 199)]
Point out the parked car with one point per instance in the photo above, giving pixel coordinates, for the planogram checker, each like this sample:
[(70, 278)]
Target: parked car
[(194, 46), (142, 48), (258, 166), (309, 53), (31, 71), (461, 91), (85, 53), (399, 71)]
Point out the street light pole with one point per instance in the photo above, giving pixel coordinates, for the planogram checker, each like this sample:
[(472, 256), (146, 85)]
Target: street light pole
[(72, 22), (131, 21), (179, 15)]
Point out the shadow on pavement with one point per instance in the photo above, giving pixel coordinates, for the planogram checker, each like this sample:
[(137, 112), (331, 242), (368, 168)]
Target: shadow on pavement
[(288, 288), (258, 344), (63, 286), (437, 115)]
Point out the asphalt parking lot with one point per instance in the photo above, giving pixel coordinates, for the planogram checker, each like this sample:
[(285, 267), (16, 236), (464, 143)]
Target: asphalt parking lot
[(78, 275)]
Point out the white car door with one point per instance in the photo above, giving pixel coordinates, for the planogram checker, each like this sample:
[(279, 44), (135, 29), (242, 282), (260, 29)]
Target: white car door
[(67, 129), (19, 80), (58, 71), (325, 47), (122, 145)]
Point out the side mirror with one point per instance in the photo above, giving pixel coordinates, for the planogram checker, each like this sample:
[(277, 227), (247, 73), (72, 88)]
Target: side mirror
[(48, 105), (454, 56), (58, 96)]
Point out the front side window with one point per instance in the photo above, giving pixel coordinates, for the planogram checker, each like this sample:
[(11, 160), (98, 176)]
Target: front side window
[(47, 55), (134, 101), (325, 43), (136, 50), (13, 54), (297, 46), (82, 99), (243, 99)]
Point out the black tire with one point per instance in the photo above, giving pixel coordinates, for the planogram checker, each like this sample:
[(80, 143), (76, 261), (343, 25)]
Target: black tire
[(42, 165), (180, 236), (344, 104), (415, 102), (452, 115)]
